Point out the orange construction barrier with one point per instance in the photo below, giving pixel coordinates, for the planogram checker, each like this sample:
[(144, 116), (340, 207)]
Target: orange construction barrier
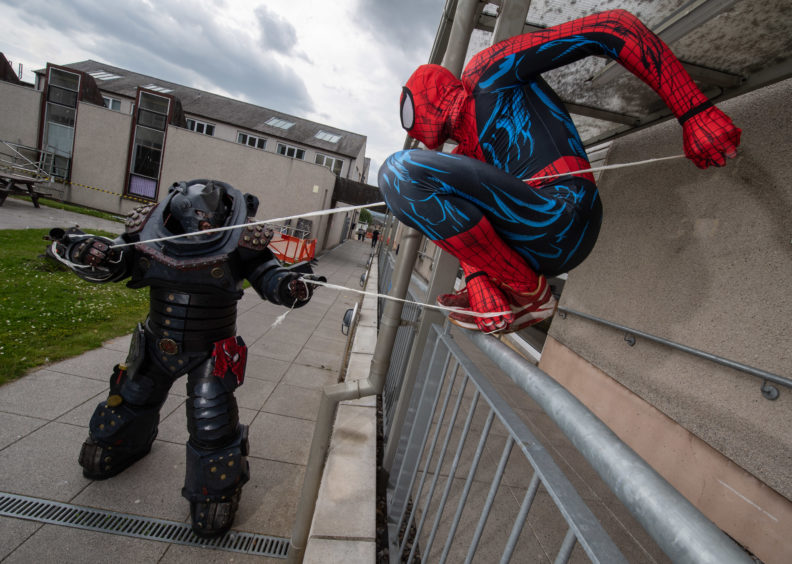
[(290, 250)]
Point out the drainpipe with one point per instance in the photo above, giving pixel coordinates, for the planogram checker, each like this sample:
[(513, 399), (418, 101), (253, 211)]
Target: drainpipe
[(334, 394)]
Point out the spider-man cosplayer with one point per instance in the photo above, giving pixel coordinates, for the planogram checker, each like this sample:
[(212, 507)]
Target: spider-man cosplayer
[(480, 204), (195, 284)]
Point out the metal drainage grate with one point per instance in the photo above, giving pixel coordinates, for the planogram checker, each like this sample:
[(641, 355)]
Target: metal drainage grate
[(55, 513)]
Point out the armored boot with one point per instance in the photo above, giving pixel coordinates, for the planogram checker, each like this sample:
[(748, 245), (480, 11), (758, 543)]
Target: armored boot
[(120, 433), (119, 436), (213, 484)]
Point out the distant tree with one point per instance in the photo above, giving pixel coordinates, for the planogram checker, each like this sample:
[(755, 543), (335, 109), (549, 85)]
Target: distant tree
[(365, 216)]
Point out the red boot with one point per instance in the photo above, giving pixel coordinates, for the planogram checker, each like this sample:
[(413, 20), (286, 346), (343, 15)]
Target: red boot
[(509, 281)]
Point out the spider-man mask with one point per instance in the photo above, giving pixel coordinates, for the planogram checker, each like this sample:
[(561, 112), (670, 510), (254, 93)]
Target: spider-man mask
[(427, 104)]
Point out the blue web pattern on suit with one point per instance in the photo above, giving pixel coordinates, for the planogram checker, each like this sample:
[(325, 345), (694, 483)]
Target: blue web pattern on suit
[(423, 193)]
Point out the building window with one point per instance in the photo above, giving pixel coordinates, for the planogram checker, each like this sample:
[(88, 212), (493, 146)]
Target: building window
[(152, 119), (325, 136), (330, 162), (200, 127), (61, 111), (112, 103), (290, 151), (277, 122), (251, 140)]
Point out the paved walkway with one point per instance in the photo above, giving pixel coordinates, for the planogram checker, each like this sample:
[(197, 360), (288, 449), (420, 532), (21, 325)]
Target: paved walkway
[(44, 420)]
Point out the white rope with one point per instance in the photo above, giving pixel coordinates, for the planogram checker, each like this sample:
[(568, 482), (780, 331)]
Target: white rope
[(262, 222), (377, 204), (603, 167), (420, 304)]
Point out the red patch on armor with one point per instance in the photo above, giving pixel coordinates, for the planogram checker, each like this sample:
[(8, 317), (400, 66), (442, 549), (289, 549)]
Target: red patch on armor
[(230, 358)]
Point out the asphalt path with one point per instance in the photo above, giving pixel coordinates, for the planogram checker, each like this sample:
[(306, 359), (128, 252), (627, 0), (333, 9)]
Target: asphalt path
[(21, 214)]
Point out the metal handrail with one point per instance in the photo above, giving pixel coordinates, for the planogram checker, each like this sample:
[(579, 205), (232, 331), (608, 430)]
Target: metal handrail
[(768, 391), (680, 530)]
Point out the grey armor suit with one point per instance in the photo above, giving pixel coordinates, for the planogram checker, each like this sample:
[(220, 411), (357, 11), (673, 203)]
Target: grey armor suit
[(195, 283)]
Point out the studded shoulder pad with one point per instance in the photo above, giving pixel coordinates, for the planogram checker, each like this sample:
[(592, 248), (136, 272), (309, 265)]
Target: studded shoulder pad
[(138, 217), (255, 237)]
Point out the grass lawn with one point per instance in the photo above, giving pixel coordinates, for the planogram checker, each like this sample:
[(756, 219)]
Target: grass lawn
[(48, 314)]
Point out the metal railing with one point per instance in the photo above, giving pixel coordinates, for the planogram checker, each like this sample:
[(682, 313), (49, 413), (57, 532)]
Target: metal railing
[(768, 390), (427, 512), (402, 346), (418, 517), (26, 161)]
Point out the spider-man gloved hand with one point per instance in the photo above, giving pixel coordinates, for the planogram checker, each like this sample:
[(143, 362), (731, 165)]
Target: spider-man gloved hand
[(710, 138)]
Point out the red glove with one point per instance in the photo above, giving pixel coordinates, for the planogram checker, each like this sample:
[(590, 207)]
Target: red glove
[(710, 138)]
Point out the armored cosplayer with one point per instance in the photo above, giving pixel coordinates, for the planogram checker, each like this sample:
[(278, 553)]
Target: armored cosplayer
[(195, 283)]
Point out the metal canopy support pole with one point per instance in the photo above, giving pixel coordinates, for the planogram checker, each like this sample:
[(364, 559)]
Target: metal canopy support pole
[(511, 19), (446, 266)]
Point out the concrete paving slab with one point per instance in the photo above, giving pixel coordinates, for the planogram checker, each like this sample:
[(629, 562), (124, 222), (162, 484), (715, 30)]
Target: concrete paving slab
[(13, 533), (262, 367), (134, 491), (269, 500), (47, 392), (254, 393), (179, 554), (81, 415), (15, 427), (96, 364), (281, 438), (309, 376), (293, 401), (280, 347), (327, 360), (46, 546), (44, 463)]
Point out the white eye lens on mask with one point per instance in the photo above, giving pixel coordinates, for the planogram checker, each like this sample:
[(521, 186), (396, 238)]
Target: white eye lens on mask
[(407, 109)]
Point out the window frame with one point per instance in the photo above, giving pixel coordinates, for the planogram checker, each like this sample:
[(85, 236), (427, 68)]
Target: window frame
[(297, 153), (110, 102), (260, 142), (333, 161), (206, 128)]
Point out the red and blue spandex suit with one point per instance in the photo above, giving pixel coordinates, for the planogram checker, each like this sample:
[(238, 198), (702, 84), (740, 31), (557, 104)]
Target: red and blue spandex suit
[(479, 203)]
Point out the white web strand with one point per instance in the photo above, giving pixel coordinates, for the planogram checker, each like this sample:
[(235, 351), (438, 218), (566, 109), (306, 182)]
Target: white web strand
[(251, 224), (378, 204), (420, 304), (604, 167)]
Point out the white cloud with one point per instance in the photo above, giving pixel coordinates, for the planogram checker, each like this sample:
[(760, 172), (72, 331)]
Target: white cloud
[(340, 63)]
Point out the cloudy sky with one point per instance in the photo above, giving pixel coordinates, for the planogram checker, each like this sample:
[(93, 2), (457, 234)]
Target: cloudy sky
[(341, 63)]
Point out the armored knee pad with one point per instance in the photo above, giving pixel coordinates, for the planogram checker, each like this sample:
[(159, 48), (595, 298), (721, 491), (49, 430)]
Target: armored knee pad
[(212, 412), (213, 484)]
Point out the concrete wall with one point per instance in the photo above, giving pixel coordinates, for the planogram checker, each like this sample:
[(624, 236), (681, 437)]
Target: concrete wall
[(19, 110), (284, 186), (101, 145), (702, 258), (229, 132)]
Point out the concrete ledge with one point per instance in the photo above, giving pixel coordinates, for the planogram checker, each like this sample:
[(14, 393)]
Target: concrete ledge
[(344, 522)]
